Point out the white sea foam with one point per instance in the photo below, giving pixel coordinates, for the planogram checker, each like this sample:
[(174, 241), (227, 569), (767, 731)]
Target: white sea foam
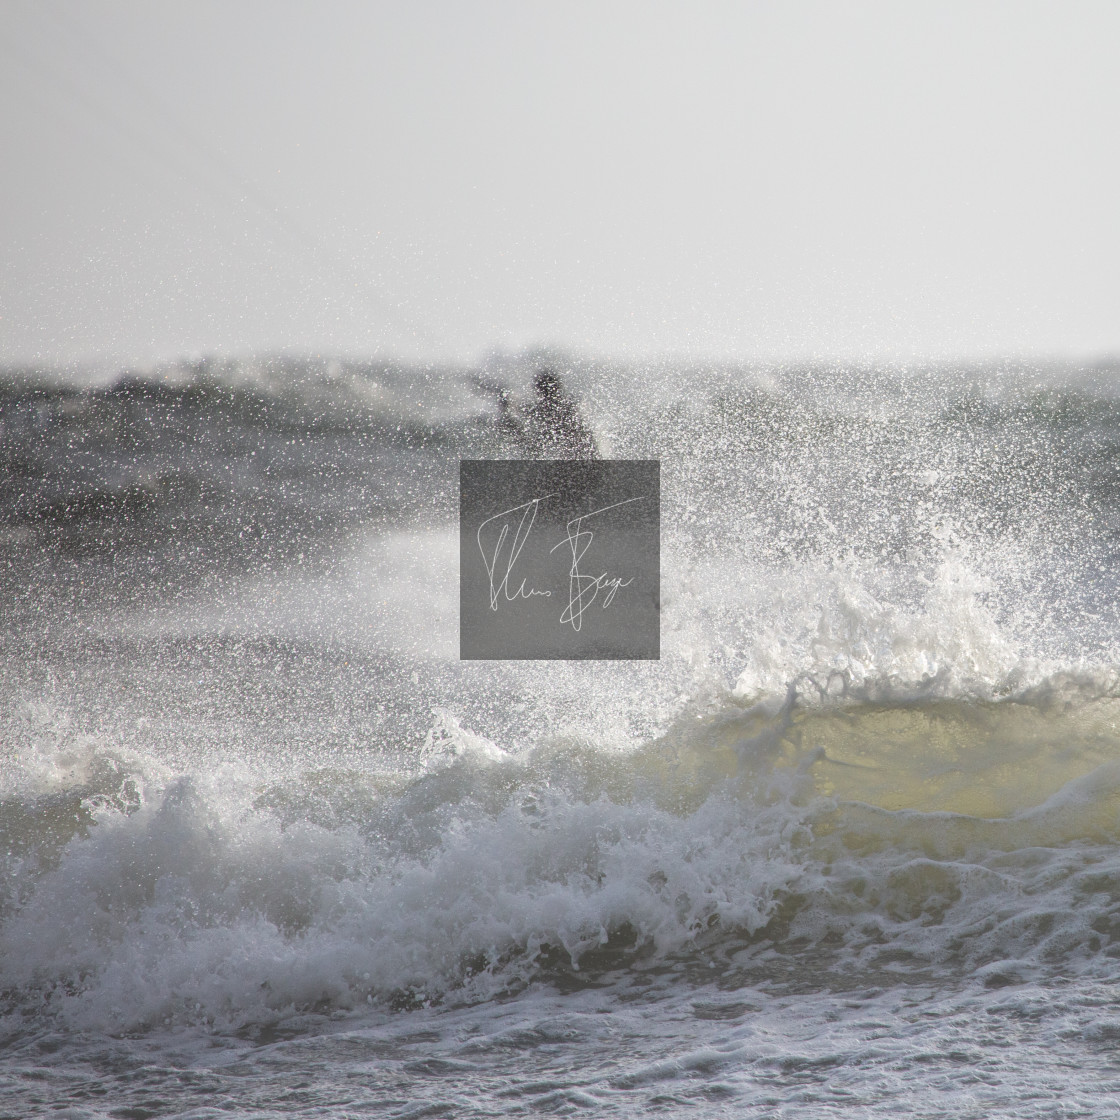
[(877, 764), (221, 899)]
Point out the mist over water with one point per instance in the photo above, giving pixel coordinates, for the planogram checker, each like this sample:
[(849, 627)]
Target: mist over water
[(268, 846)]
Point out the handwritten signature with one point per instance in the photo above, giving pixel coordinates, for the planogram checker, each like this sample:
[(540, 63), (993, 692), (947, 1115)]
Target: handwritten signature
[(500, 560), (528, 512), (583, 590)]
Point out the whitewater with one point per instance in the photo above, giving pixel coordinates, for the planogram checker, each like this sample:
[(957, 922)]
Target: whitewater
[(268, 848)]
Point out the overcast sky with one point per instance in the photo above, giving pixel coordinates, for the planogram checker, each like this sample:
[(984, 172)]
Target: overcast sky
[(757, 180)]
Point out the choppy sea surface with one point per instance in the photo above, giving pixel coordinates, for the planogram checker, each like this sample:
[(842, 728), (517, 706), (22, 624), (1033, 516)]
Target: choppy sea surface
[(269, 849)]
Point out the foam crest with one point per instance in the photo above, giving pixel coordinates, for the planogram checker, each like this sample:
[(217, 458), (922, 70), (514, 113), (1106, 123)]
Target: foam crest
[(752, 833), (853, 632)]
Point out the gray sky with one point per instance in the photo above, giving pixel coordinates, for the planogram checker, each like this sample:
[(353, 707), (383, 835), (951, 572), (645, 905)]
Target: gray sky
[(766, 180)]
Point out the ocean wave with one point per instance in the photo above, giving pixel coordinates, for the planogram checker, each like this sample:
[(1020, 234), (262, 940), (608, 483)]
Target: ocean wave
[(881, 744), (774, 839)]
